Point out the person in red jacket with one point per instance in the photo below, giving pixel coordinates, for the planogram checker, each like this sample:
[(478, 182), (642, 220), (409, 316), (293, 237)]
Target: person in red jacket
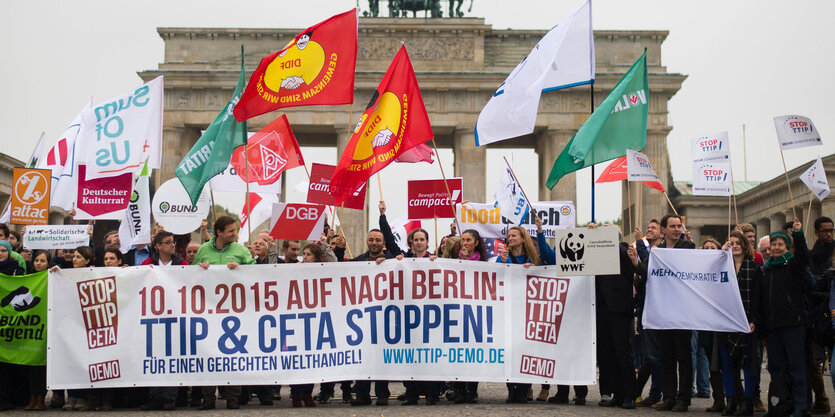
[(165, 252)]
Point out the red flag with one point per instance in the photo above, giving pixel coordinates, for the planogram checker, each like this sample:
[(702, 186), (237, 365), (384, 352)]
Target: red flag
[(271, 151), (420, 153), (316, 67), (394, 122), (616, 171)]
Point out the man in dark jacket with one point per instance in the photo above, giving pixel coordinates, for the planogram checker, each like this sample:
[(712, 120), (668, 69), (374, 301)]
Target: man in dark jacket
[(614, 331)]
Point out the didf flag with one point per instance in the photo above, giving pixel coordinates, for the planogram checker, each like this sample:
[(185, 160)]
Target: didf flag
[(616, 171), (394, 122), (271, 151), (316, 67)]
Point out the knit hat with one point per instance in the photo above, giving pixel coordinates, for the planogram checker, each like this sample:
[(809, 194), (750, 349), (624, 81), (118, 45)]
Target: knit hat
[(784, 236), (6, 244)]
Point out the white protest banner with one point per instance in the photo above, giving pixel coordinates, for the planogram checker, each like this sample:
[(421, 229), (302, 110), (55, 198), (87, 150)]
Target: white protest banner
[(228, 180), (638, 167), (795, 131), (715, 147), (173, 210), (693, 289), (135, 228), (488, 221), (815, 179), (712, 179), (61, 236), (297, 221), (118, 135), (305, 323), (583, 251)]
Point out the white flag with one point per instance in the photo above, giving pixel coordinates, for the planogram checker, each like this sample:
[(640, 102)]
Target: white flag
[(62, 159), (509, 196), (638, 167), (401, 227), (692, 289), (120, 134), (712, 179), (714, 147), (36, 153), (563, 58), (262, 209), (795, 131), (815, 179), (136, 226)]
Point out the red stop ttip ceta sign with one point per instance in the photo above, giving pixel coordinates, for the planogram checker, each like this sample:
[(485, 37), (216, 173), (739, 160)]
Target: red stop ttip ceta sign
[(297, 221)]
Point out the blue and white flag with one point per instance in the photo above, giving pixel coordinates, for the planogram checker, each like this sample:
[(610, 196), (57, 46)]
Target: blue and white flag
[(692, 289), (815, 179), (514, 206), (563, 58)]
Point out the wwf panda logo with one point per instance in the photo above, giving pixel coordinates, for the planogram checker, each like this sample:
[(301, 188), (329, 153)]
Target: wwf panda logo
[(572, 248)]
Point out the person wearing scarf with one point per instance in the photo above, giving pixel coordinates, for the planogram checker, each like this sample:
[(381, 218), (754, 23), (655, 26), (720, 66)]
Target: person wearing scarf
[(782, 313)]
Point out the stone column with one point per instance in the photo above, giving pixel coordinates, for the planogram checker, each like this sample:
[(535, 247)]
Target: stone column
[(654, 205), (549, 144), (470, 164), (777, 221), (177, 140), (353, 221), (763, 228), (696, 233)]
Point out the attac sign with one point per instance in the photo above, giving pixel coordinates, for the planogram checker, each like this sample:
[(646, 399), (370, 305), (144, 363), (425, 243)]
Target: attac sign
[(30, 196), (428, 199), (297, 221), (320, 180)]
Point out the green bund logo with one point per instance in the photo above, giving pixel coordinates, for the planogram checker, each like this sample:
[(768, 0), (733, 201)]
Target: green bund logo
[(164, 207)]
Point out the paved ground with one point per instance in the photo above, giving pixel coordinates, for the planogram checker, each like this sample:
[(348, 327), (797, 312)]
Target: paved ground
[(491, 402)]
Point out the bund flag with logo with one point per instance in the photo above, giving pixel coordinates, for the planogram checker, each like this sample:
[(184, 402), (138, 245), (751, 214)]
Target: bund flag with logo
[(213, 151), (394, 122), (271, 151), (316, 67), (619, 123)]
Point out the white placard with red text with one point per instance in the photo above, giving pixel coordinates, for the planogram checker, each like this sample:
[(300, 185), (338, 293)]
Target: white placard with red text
[(436, 320), (297, 221), (794, 131)]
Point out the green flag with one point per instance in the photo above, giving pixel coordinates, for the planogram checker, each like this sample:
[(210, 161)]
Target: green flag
[(213, 151), (23, 319), (618, 124)]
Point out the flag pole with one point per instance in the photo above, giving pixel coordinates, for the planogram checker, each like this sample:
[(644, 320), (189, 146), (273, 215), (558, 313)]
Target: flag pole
[(246, 161), (436, 234), (786, 171), (446, 184), (212, 197), (733, 193), (591, 111), (379, 186), (517, 181), (729, 216), (629, 207), (342, 232), (809, 210)]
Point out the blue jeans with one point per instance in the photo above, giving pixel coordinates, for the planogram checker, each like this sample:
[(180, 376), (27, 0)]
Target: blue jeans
[(654, 355), (701, 367), (730, 370)]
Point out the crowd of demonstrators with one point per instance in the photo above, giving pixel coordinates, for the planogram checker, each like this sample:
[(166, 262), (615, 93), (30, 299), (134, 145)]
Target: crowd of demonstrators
[(785, 287)]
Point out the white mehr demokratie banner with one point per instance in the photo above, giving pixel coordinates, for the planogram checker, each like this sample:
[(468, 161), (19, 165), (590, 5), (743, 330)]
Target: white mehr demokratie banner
[(488, 221), (713, 147), (693, 289), (63, 236), (712, 178), (303, 323)]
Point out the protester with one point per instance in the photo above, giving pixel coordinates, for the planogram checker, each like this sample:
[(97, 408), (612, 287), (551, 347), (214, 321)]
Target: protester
[(191, 252), (113, 257), (41, 261), (751, 235), (652, 364), (817, 300), (739, 350), (15, 240), (781, 308), (291, 251), (764, 248), (8, 265), (222, 249), (706, 374), (260, 251)]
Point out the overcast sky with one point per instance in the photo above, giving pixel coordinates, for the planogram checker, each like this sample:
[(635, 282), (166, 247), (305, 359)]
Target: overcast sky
[(746, 62)]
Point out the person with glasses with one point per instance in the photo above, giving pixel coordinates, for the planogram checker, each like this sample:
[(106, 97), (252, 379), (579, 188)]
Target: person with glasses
[(8, 265), (165, 251), (821, 254)]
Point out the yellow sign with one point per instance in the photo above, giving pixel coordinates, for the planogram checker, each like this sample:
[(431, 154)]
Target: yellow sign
[(30, 196)]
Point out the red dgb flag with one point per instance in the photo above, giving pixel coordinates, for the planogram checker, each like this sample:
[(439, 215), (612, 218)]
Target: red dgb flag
[(271, 151), (394, 122), (316, 67), (616, 171)]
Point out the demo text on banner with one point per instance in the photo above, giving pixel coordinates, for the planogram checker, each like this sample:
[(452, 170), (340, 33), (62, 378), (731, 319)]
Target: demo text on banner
[(305, 323)]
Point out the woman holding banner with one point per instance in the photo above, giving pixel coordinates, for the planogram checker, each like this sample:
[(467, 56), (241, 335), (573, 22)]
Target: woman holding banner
[(8, 265), (41, 261), (519, 249), (782, 313), (738, 350), (302, 394)]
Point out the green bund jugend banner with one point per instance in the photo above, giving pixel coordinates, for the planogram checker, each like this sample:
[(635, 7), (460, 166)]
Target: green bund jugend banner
[(23, 319)]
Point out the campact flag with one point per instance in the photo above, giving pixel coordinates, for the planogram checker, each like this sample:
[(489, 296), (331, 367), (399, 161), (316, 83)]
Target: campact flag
[(618, 124), (509, 196), (316, 67), (616, 171), (394, 122), (420, 153), (400, 228), (794, 131), (261, 206), (119, 134), (269, 152), (213, 151), (815, 179), (61, 159), (136, 226), (563, 58)]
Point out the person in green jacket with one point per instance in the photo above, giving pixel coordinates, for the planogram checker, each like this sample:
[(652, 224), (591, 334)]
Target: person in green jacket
[(219, 250)]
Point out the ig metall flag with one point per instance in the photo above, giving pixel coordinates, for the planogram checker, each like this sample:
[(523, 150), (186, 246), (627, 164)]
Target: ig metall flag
[(563, 58)]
